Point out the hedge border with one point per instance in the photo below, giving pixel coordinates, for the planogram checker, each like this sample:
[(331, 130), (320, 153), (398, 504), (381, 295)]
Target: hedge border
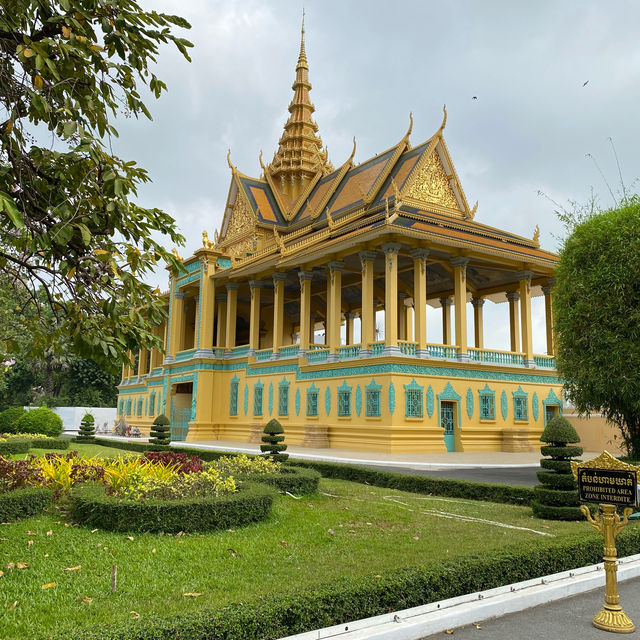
[(204, 454), (15, 445), (23, 503), (92, 507), (59, 443), (296, 480), (345, 599), (448, 487)]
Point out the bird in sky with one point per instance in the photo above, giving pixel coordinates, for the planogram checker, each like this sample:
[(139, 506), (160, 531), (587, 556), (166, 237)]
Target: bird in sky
[(584, 84), (474, 98)]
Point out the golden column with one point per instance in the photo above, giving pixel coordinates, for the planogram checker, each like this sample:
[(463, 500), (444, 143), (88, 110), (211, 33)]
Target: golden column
[(514, 324), (460, 293), (446, 320), (207, 310), (232, 308), (165, 336), (391, 299), (420, 299), (478, 329), (334, 307), (525, 313), (306, 328), (367, 314), (177, 326), (255, 287), (548, 315), (221, 305), (402, 316), (196, 321), (278, 312)]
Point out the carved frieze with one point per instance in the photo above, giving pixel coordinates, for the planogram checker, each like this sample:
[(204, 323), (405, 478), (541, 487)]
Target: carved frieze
[(432, 185)]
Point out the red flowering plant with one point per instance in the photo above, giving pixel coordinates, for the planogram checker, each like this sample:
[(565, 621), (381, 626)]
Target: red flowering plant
[(17, 474), (182, 463)]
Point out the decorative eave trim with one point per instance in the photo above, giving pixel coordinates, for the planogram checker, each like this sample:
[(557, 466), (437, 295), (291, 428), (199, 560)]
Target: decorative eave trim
[(401, 147)]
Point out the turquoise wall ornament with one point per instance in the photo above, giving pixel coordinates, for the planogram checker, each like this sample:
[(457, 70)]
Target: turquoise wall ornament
[(327, 401), (392, 398), (469, 403), (246, 399), (298, 401), (271, 398), (430, 401), (358, 400), (535, 407), (504, 406)]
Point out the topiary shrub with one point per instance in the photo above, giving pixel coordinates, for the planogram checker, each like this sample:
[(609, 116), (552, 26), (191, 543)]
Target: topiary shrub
[(41, 420), (160, 435), (8, 419), (556, 498), (87, 429), (274, 437)]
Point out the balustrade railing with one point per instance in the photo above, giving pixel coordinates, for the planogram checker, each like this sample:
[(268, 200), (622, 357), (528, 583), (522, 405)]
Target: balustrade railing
[(185, 355), (442, 351), (319, 355), (264, 354), (349, 352), (290, 351), (546, 362), (496, 357), (407, 348), (239, 352), (317, 347), (218, 352), (377, 348)]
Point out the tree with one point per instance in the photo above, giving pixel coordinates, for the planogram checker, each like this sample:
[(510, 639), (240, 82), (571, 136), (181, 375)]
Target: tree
[(69, 225), (597, 317), (274, 438)]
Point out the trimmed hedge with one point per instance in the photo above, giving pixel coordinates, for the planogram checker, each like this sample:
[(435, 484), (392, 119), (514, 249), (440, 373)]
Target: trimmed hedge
[(92, 507), (126, 445), (41, 420), (298, 481), (50, 443), (15, 445), (422, 484), (23, 503), (347, 599), (561, 452)]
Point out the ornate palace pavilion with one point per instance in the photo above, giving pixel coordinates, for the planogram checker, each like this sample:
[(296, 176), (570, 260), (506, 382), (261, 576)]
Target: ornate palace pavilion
[(263, 320)]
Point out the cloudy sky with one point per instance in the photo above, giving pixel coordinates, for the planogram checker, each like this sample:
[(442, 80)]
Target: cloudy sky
[(374, 61)]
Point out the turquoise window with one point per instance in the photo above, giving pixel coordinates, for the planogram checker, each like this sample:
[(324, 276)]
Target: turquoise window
[(152, 404), (128, 407), (233, 397), (520, 409), (139, 406), (344, 401), (312, 402), (120, 406), (283, 398), (372, 399), (413, 400), (487, 407), (258, 390)]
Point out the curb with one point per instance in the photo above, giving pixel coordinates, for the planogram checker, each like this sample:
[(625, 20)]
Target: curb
[(419, 622)]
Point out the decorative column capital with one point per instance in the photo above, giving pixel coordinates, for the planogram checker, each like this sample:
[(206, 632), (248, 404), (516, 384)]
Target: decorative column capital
[(446, 302), (419, 254), (279, 276), (350, 315), (232, 286), (524, 275), (367, 255), (221, 297), (179, 295), (391, 248), (547, 289), (305, 276), (258, 284), (336, 265), (478, 302), (513, 296), (459, 261), (402, 295)]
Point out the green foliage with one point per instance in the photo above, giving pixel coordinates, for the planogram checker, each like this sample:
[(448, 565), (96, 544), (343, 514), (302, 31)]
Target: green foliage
[(40, 420), (87, 431), (346, 599), (295, 480), (69, 223), (274, 441), (559, 432), (597, 317), (421, 484), (49, 443), (92, 507), (556, 498), (22, 503), (14, 445), (9, 418), (160, 435)]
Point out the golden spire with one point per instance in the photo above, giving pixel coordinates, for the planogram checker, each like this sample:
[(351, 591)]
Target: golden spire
[(300, 153)]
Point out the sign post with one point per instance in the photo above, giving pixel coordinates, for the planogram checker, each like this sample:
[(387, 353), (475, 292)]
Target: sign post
[(609, 482)]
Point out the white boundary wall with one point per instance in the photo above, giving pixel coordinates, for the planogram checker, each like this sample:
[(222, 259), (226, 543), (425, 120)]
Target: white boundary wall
[(105, 417)]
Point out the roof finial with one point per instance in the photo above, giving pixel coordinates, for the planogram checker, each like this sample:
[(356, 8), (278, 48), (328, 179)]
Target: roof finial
[(303, 54), (444, 118)]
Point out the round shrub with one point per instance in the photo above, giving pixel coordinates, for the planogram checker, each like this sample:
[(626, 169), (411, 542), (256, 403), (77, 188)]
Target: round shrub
[(87, 429), (41, 420), (296, 480), (8, 419), (92, 507), (274, 441), (556, 498), (160, 431)]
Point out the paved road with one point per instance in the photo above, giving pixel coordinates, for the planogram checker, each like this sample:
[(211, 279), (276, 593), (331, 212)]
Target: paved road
[(523, 476), (568, 619)]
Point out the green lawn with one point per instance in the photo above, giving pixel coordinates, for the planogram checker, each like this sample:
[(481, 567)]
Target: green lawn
[(347, 529), (88, 450)]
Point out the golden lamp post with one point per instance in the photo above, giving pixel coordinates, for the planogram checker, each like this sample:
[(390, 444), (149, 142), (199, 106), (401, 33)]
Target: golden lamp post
[(609, 482)]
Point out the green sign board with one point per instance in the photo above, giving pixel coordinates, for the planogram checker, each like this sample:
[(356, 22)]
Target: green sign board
[(608, 486)]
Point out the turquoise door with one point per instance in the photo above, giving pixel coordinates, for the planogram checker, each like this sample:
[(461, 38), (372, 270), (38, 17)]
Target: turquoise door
[(446, 419), (180, 423)]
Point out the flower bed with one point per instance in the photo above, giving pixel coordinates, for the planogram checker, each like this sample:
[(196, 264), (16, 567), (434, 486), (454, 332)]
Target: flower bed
[(90, 505)]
